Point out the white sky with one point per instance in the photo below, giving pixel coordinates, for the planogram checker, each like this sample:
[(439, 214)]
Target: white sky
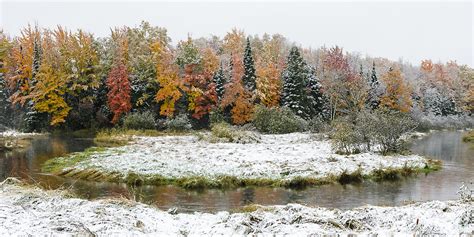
[(413, 31)]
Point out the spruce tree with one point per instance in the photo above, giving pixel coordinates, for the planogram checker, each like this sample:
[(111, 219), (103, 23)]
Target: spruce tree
[(249, 76), (34, 120), (315, 97), (5, 109), (373, 98), (294, 82), (219, 80)]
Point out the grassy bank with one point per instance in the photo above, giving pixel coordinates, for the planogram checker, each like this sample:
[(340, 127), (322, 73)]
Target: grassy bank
[(62, 166), (469, 137), (121, 136)]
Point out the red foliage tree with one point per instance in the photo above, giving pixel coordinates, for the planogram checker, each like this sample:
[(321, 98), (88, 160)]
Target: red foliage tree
[(118, 97)]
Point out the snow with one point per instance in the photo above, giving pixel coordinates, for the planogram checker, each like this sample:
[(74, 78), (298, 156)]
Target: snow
[(31, 211), (275, 156), (16, 134)]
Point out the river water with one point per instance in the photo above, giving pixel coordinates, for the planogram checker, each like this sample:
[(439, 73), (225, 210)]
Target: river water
[(457, 157)]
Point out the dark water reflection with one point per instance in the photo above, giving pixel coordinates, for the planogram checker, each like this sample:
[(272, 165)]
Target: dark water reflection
[(458, 160)]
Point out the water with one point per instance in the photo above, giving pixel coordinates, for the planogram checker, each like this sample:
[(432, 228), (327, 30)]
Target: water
[(457, 157)]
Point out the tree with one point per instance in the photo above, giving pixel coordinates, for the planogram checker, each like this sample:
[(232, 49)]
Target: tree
[(295, 78), (171, 87), (397, 94), (237, 97), (119, 91), (219, 81), (315, 97), (249, 76), (142, 63), (343, 87), (5, 108), (48, 94), (374, 93), (270, 62)]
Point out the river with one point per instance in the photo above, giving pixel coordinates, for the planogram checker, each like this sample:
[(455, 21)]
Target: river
[(457, 157)]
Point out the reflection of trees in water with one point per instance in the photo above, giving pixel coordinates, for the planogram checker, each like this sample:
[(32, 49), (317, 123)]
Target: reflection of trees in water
[(14, 163), (248, 196)]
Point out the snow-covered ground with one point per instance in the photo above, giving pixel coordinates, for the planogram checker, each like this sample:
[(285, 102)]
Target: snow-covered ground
[(32, 211), (275, 157)]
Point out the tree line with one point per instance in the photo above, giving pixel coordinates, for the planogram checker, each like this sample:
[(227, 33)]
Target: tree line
[(56, 78)]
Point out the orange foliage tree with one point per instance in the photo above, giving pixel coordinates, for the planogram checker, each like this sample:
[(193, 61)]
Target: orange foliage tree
[(269, 64), (118, 97)]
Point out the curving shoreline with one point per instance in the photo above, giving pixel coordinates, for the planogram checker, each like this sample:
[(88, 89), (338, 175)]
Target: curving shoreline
[(290, 160)]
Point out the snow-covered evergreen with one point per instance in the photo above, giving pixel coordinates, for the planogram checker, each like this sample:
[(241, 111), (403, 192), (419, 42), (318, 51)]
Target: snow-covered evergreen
[(301, 88), (317, 100), (375, 92), (249, 76), (34, 120), (219, 80)]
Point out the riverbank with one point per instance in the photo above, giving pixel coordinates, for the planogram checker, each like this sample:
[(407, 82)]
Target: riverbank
[(12, 139), (28, 210), (290, 160)]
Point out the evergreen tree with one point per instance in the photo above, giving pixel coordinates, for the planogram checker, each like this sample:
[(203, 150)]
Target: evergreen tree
[(35, 121), (315, 97), (5, 109), (373, 98), (294, 82), (219, 80), (249, 76), (36, 60)]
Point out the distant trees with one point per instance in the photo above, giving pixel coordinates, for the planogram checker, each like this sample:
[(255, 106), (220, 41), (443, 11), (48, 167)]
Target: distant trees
[(71, 80)]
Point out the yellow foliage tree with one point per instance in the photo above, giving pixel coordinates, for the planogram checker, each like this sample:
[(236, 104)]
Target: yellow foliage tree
[(48, 94), (397, 94), (171, 86)]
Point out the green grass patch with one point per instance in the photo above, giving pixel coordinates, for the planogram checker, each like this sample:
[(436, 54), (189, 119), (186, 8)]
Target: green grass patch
[(120, 136), (57, 165)]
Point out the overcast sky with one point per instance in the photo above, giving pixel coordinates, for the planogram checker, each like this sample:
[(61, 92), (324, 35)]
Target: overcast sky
[(413, 31)]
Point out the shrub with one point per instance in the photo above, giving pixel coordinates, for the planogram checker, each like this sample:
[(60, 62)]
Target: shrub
[(345, 138), (318, 125), (355, 133), (216, 116), (139, 121), (227, 133), (179, 123), (277, 120), (389, 128)]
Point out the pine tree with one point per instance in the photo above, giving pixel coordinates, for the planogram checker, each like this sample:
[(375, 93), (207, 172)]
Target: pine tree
[(315, 97), (249, 76), (373, 98), (219, 80), (294, 83)]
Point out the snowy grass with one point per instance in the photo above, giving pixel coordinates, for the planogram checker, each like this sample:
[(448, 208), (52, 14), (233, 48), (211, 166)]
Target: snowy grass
[(31, 211), (291, 160)]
